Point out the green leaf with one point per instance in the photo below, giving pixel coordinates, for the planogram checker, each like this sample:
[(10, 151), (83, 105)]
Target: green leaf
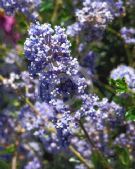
[(130, 114), (16, 103), (99, 160), (47, 6), (119, 85), (77, 104), (4, 165), (123, 155), (8, 150)]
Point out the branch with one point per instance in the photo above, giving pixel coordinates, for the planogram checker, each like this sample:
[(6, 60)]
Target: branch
[(79, 156), (58, 4)]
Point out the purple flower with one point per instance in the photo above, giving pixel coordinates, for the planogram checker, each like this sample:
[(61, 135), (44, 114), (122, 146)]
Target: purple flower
[(49, 53), (92, 19), (128, 34), (126, 72), (27, 7), (33, 164)]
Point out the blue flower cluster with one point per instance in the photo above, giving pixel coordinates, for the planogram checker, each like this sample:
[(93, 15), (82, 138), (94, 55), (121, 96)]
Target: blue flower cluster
[(120, 9), (126, 72), (46, 124), (99, 112), (36, 119), (7, 128), (64, 103), (100, 138), (49, 53), (92, 19), (128, 34), (27, 7), (127, 139), (34, 164), (60, 84)]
